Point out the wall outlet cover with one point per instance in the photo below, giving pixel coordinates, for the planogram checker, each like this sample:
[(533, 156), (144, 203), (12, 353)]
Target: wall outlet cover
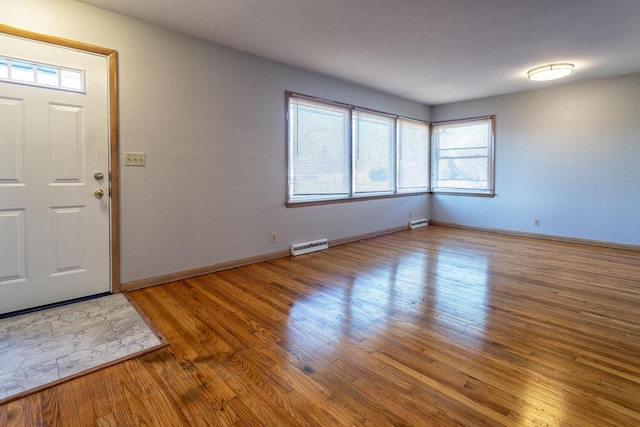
[(134, 159)]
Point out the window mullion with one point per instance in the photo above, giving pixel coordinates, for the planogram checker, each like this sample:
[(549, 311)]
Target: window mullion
[(430, 157), (398, 151), (394, 152), (352, 159)]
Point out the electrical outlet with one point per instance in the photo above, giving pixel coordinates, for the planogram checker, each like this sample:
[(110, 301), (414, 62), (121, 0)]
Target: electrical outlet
[(274, 237), (134, 159), (536, 222)]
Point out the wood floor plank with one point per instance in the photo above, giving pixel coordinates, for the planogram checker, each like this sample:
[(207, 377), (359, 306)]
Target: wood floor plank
[(54, 412), (435, 326)]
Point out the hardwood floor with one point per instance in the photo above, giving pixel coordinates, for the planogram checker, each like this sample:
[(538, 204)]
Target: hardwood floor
[(436, 326)]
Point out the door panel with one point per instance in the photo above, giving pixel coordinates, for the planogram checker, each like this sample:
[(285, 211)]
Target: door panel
[(54, 232), (66, 239), (12, 251), (66, 136), (11, 142)]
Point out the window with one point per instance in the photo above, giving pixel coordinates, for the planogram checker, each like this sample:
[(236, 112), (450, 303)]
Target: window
[(413, 156), (374, 141), (30, 73), (319, 148), (4, 68), (338, 151), (463, 156)]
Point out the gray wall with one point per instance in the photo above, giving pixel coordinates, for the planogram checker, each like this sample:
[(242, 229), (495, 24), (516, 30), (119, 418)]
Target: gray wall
[(211, 121), (569, 155)]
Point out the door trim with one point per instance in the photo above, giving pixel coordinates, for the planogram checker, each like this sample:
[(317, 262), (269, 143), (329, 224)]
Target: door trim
[(114, 187)]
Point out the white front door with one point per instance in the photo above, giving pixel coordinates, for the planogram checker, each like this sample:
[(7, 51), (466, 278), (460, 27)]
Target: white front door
[(54, 230)]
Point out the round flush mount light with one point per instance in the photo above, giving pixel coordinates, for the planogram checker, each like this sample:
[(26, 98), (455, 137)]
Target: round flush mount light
[(550, 72)]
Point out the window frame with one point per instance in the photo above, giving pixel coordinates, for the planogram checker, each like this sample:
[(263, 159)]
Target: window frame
[(490, 156), (296, 201)]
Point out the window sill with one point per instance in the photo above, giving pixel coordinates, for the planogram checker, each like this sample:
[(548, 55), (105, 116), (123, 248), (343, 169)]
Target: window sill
[(301, 204), (463, 193)]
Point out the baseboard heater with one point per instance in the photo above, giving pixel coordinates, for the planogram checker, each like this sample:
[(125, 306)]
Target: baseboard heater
[(417, 223), (306, 247)]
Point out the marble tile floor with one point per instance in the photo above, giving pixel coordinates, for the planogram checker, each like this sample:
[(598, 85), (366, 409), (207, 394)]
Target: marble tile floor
[(49, 345)]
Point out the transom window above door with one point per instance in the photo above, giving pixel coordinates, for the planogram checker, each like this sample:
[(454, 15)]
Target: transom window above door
[(50, 76)]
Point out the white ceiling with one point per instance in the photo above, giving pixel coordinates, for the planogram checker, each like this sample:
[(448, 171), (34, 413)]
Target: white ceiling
[(432, 51)]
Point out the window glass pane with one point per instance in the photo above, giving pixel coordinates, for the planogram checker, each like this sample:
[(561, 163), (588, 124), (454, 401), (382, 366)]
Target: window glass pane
[(71, 79), (463, 152), (22, 71), (47, 75), (373, 152), (463, 156), (462, 173), (4, 69), (413, 156), (318, 149)]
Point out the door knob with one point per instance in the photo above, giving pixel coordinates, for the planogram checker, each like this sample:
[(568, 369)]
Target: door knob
[(99, 193), (98, 176)]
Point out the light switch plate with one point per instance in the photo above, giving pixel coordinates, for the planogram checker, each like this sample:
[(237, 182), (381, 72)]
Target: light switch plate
[(134, 159)]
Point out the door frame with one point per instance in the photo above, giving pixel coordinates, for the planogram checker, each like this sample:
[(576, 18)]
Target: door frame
[(114, 176)]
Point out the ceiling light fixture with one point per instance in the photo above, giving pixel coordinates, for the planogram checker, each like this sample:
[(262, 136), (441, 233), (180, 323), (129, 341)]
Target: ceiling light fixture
[(550, 72)]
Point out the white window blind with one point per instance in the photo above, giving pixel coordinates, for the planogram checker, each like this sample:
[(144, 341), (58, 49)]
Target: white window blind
[(374, 142), (339, 151), (413, 155), (319, 149)]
